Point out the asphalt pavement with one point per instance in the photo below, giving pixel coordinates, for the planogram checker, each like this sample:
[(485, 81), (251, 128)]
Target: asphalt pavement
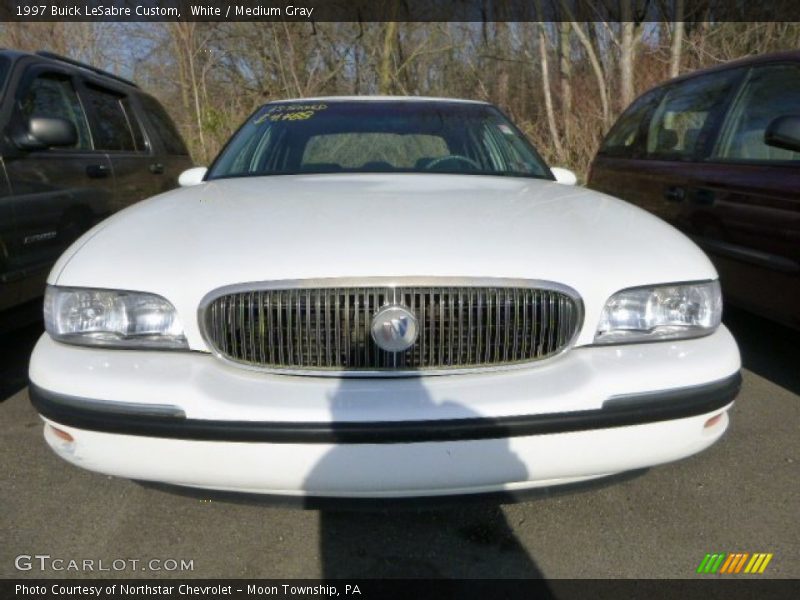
[(741, 495)]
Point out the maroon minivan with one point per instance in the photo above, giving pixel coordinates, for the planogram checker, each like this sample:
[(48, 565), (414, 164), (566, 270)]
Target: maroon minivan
[(717, 154)]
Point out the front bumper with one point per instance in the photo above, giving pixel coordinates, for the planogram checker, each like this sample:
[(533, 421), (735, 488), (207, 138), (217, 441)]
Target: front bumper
[(188, 419)]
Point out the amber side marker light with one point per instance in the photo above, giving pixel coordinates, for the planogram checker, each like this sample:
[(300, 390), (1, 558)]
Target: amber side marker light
[(713, 421), (61, 434)]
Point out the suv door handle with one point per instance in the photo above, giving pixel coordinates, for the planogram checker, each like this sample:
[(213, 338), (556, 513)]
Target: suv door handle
[(674, 194), (97, 171), (157, 168)]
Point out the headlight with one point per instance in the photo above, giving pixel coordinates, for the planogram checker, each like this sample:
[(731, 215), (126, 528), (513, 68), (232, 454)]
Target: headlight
[(661, 312), (111, 318)]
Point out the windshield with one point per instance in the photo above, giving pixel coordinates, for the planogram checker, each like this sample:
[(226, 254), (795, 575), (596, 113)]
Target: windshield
[(378, 137)]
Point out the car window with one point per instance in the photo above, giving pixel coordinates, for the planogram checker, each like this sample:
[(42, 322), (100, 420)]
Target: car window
[(4, 68), (626, 136), (112, 128), (688, 115), (770, 92), (133, 123), (378, 136), (173, 143), (506, 149), (53, 96)]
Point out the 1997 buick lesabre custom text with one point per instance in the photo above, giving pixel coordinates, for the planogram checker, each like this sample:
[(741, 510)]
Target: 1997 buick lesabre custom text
[(381, 297)]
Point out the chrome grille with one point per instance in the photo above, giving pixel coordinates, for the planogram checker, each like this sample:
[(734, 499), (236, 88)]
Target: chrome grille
[(305, 327)]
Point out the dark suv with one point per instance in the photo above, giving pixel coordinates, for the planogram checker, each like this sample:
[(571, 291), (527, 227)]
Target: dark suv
[(717, 154), (77, 145)]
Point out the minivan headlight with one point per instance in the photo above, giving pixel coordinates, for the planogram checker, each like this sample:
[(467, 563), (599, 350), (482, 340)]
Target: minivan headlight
[(117, 318), (664, 312)]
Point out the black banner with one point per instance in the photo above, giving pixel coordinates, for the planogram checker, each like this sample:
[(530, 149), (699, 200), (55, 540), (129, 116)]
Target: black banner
[(710, 588), (394, 10)]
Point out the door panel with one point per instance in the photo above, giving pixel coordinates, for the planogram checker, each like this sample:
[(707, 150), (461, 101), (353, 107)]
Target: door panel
[(757, 247), (54, 194), (680, 134), (9, 284), (54, 199), (706, 170), (746, 218), (171, 157), (118, 133)]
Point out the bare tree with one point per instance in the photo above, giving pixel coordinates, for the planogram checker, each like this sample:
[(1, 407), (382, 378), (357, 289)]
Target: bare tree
[(188, 45), (677, 40), (629, 40), (548, 97), (565, 71), (210, 76)]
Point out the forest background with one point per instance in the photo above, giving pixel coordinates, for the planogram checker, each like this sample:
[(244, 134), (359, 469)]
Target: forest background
[(563, 82)]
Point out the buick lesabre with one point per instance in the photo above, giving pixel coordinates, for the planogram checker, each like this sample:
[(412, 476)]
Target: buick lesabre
[(381, 297)]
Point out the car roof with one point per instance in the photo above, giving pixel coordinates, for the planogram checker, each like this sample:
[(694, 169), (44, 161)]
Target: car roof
[(378, 98), (748, 61), (65, 61), (13, 54)]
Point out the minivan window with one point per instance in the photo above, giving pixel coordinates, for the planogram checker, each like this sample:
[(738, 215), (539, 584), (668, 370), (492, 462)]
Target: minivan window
[(770, 92), (53, 96), (625, 137), (687, 115), (112, 129), (173, 143)]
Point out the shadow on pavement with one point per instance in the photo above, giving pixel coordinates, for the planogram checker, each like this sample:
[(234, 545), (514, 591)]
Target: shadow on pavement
[(15, 352), (465, 536), (768, 348), (470, 541)]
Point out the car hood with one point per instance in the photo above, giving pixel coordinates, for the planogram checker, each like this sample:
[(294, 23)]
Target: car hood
[(187, 242)]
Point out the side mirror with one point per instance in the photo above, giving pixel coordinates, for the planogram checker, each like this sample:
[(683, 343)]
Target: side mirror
[(193, 176), (564, 176), (46, 132), (784, 132)]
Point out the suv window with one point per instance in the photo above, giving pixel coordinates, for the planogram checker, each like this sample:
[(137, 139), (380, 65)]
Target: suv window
[(626, 137), (133, 123), (113, 130), (4, 64), (769, 93), (53, 96), (173, 143), (688, 114)]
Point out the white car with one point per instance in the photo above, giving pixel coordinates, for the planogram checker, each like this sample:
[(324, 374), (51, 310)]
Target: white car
[(381, 298)]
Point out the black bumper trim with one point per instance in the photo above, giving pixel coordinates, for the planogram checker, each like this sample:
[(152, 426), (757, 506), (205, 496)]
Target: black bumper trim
[(618, 411)]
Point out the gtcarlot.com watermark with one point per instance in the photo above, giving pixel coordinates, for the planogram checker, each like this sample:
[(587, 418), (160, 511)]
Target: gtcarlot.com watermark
[(45, 562)]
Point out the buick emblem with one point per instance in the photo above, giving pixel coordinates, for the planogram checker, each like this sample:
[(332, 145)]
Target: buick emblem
[(394, 328)]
